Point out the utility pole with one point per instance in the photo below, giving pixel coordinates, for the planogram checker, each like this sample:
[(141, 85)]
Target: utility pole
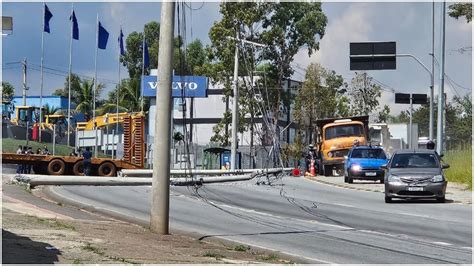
[(410, 130), (440, 137), (235, 109), (431, 129), (235, 106), (159, 215), (25, 88)]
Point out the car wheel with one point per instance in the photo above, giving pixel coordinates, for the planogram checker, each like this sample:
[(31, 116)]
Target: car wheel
[(350, 180), (441, 200), (345, 179), (388, 199)]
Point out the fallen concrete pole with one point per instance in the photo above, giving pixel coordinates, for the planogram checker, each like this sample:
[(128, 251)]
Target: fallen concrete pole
[(36, 180), (149, 172)]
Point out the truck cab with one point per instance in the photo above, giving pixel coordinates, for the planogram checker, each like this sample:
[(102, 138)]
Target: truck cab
[(336, 137)]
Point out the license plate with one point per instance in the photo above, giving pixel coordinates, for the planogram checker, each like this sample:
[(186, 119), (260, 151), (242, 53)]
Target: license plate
[(415, 188), (370, 174)]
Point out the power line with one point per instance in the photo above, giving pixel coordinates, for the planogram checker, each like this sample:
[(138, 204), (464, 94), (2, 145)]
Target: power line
[(194, 9)]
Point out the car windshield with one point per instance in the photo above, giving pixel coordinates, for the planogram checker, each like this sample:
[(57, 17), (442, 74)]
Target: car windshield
[(368, 153), (343, 131), (414, 160)]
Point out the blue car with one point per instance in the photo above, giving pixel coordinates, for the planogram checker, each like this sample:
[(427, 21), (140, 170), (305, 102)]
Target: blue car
[(363, 163)]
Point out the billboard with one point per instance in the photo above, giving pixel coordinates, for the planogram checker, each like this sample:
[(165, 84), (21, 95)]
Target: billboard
[(182, 86)]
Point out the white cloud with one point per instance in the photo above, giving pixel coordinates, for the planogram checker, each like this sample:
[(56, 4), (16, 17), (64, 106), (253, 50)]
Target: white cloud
[(351, 25)]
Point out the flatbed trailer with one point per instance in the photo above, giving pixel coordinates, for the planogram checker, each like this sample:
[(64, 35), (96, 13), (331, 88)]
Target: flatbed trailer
[(63, 165)]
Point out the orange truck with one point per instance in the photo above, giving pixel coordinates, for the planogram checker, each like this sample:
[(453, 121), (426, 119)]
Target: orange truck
[(335, 137)]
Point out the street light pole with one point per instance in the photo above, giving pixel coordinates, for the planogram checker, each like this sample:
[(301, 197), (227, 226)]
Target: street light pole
[(439, 140), (431, 133)]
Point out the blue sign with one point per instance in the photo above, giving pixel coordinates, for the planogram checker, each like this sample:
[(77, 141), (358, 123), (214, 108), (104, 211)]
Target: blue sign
[(182, 86)]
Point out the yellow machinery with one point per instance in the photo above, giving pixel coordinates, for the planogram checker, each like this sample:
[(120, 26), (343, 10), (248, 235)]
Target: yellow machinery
[(24, 114), (105, 120), (133, 130)]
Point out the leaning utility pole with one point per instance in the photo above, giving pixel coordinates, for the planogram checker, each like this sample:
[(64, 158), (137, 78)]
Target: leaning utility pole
[(440, 137), (159, 215), (235, 109), (25, 88)]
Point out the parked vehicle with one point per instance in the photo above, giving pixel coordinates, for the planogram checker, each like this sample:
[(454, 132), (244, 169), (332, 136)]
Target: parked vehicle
[(363, 163), (335, 138), (134, 155), (415, 174)]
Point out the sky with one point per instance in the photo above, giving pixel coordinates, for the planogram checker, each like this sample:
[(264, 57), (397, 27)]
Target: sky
[(409, 24)]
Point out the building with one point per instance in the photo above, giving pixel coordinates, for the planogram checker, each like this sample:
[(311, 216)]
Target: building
[(53, 102), (201, 113)]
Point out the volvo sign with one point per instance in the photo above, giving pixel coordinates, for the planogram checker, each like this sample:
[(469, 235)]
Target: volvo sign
[(182, 86)]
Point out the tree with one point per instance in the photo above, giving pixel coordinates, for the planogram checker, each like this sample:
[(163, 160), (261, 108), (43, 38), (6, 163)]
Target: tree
[(283, 27), (85, 97), (49, 110), (133, 58), (75, 88), (8, 91), (129, 98), (384, 115), (461, 10), (197, 58), (364, 94), (318, 98)]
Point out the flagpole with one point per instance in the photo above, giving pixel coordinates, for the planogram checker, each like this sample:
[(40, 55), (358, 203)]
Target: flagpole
[(41, 80), (69, 85), (95, 85), (143, 68)]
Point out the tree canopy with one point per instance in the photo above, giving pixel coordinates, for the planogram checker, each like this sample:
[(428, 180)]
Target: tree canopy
[(8, 91), (458, 10)]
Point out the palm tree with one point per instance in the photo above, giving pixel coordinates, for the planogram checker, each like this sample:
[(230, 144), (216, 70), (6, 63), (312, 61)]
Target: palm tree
[(129, 98), (85, 97), (49, 110)]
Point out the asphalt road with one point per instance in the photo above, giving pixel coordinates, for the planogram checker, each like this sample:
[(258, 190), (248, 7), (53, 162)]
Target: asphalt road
[(316, 222)]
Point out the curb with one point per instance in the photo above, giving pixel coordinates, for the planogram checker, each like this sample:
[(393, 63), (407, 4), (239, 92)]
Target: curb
[(373, 190)]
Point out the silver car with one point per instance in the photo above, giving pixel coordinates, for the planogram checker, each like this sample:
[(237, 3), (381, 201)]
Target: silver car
[(412, 174)]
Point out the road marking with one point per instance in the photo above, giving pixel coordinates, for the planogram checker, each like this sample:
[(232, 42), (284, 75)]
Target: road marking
[(416, 215), (442, 243), (471, 248), (344, 205)]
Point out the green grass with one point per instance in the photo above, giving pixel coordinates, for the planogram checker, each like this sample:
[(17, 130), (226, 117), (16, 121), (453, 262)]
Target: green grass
[(460, 170), (93, 249), (213, 255), (241, 248), (11, 145), (54, 223)]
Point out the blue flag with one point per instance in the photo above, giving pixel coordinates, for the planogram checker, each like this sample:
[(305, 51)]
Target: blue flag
[(75, 27), (146, 58), (47, 17), (122, 50), (103, 37)]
